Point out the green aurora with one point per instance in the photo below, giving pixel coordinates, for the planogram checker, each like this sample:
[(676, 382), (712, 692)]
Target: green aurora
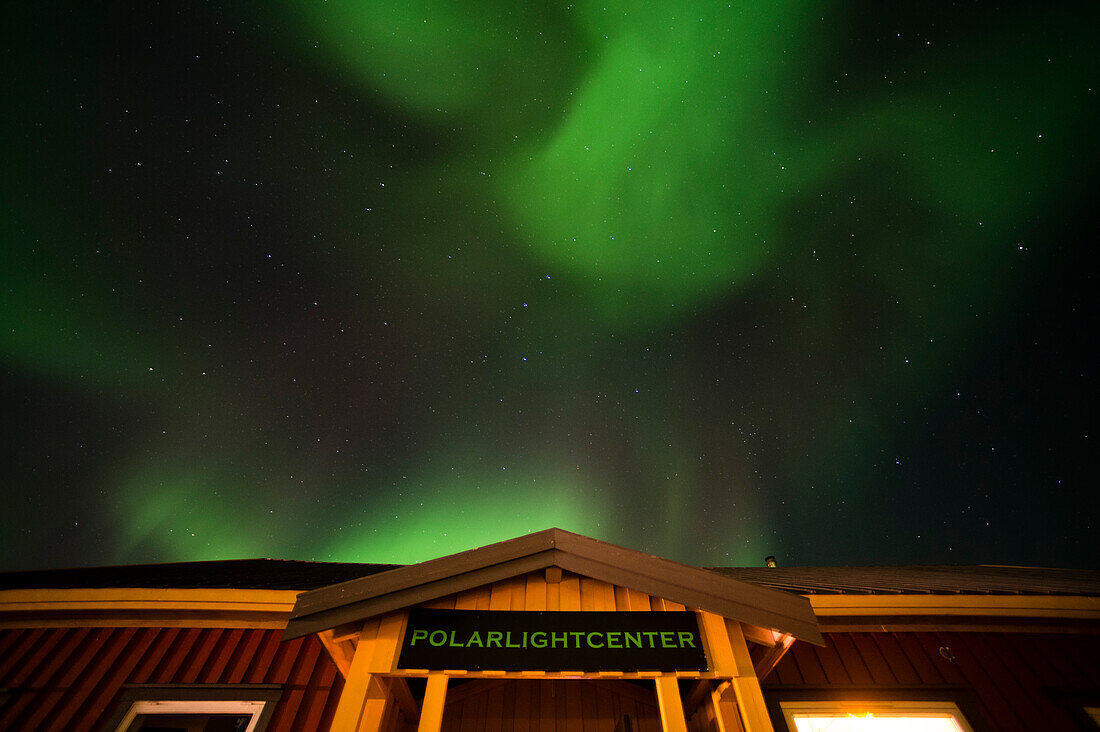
[(385, 281)]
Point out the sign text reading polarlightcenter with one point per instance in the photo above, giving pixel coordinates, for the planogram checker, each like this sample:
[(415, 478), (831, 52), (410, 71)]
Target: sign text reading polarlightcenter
[(568, 639), (552, 641)]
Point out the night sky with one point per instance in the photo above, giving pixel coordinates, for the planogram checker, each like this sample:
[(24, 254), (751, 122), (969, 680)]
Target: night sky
[(382, 281)]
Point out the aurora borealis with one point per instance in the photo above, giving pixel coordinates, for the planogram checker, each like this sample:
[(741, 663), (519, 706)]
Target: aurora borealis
[(382, 281)]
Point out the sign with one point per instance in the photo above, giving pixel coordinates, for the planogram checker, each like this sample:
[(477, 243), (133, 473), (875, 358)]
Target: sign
[(476, 640)]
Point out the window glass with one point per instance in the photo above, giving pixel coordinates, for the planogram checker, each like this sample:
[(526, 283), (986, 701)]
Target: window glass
[(873, 723), (873, 716), (190, 723)]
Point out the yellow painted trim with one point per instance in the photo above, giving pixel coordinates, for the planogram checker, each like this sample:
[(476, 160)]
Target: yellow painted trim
[(146, 608), (148, 599), (1043, 606), (551, 675), (243, 620)]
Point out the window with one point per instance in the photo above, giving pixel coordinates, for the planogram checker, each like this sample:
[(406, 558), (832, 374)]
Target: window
[(873, 716), (194, 708), (192, 716)]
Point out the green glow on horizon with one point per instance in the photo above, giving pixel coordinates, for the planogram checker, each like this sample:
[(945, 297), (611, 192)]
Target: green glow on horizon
[(405, 528), (179, 513)]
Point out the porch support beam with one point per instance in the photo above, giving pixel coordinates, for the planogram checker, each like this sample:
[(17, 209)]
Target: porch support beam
[(725, 708), (359, 683), (435, 697), (746, 687), (668, 700)]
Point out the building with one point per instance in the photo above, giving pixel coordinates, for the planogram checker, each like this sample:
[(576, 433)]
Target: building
[(549, 632)]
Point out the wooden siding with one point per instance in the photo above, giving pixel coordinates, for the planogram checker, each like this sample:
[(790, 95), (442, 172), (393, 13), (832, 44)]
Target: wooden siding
[(70, 678), (1011, 675), (549, 706), (532, 592)]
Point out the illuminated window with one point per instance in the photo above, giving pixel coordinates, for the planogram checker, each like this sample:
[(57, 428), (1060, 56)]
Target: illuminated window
[(192, 716), (874, 716)]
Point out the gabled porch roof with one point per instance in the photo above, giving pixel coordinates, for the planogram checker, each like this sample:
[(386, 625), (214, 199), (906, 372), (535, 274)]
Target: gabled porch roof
[(377, 594)]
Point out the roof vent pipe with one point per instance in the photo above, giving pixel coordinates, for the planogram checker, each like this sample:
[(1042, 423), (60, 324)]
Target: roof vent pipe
[(769, 561)]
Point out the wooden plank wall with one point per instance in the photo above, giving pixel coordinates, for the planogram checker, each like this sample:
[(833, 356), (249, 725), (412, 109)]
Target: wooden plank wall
[(549, 706), (533, 592), (69, 678), (1010, 674)]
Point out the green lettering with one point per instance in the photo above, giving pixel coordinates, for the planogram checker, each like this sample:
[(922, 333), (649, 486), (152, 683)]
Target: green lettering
[(508, 641), (576, 638), (635, 638), (554, 638), (687, 639), (538, 639), (613, 639), (589, 639), (418, 635), (668, 639), (649, 634), (442, 637), (452, 644), (493, 636), (475, 640)]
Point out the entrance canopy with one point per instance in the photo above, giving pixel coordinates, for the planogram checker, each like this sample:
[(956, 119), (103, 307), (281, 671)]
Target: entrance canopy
[(554, 550), (552, 606)]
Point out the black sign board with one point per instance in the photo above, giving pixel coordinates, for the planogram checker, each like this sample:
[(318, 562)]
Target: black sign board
[(477, 640)]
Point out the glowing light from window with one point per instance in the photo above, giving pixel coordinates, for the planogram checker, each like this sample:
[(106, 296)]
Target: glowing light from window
[(871, 723)]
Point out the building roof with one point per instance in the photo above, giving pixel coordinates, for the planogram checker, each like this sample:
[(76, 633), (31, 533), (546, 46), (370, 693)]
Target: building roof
[(921, 579), (241, 574), (284, 574)]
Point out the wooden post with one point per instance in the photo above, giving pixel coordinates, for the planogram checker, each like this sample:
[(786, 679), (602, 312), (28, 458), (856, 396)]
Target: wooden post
[(435, 696), (391, 629), (725, 708), (717, 641), (746, 687), (668, 701), (375, 706), (362, 706), (358, 682)]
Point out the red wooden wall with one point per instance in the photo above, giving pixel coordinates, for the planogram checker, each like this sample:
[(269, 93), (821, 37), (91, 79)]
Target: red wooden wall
[(69, 678), (1010, 674)]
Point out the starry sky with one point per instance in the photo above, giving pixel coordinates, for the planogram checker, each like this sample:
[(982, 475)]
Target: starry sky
[(382, 281)]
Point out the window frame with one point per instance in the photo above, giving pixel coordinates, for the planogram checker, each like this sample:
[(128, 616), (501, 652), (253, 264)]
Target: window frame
[(259, 700), (957, 700), (879, 708)]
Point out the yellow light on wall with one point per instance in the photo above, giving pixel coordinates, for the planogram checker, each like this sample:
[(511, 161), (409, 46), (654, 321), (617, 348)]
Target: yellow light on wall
[(874, 716)]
